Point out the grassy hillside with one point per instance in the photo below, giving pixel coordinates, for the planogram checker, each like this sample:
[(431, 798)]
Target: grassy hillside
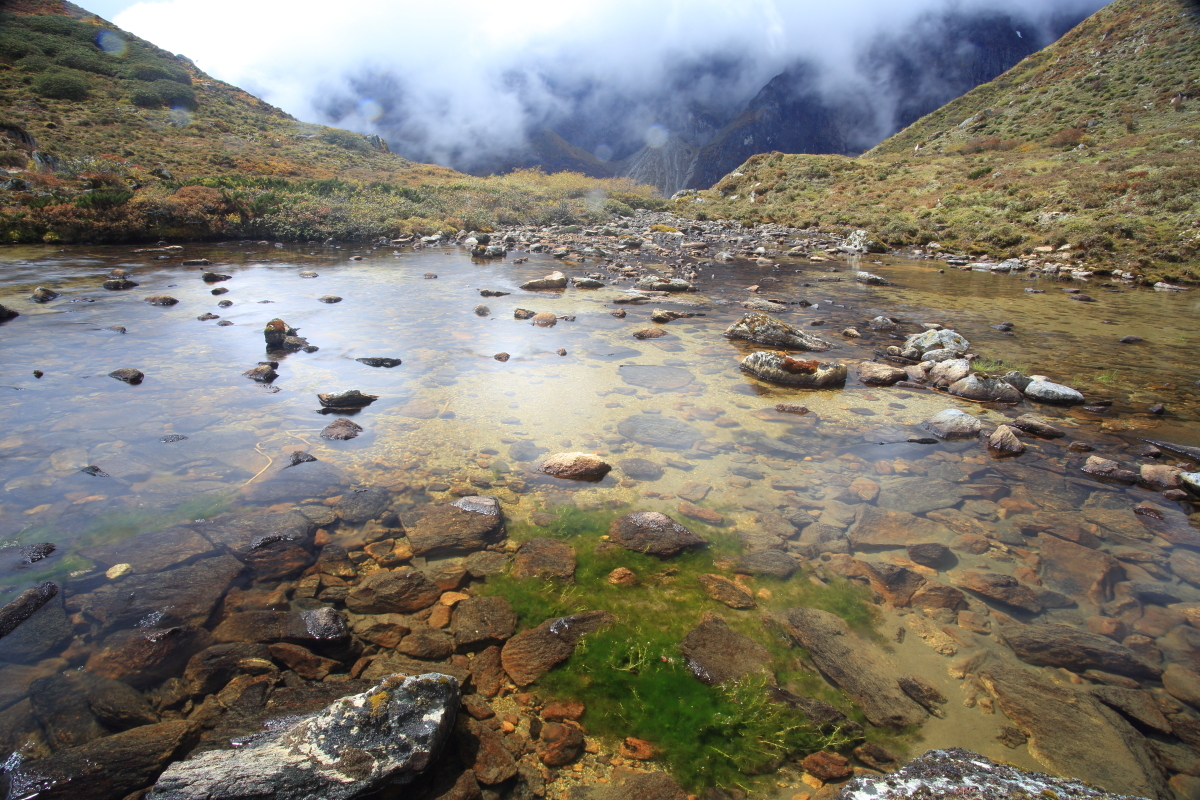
[(108, 138), (1087, 148)]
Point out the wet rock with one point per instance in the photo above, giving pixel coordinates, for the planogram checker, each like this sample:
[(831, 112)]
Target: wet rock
[(363, 505), (791, 408), (7, 313), (794, 372), (1072, 733), (656, 377), (77, 707), (1001, 588), (1004, 442), (825, 765), (214, 277), (400, 591), (341, 429), (43, 295), (640, 469), (161, 300), (773, 563), (917, 495), (119, 284), (1078, 571), (985, 388), (545, 319), (768, 330), (530, 654), (575, 466), (352, 398), (555, 280), (929, 554), (466, 525), (110, 768), (281, 336), (716, 654), (501, 357), (1044, 391), (212, 668), (943, 774), (723, 590), (653, 283), (1137, 706), (128, 375), (879, 527), (544, 558), (559, 744), (320, 626), (480, 622), (359, 744), (143, 656), (654, 533), (854, 665), (649, 333), (924, 692), (629, 785), (26, 605), (185, 595), (481, 310), (875, 374), (953, 424), (659, 430), (1059, 645), (263, 373)]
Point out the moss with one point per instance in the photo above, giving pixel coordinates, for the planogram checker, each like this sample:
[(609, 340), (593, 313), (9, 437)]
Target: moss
[(632, 677)]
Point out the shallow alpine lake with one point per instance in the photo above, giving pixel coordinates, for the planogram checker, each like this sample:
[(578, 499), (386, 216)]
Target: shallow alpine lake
[(196, 443)]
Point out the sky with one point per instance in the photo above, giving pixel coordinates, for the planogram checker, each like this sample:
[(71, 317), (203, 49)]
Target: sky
[(459, 73)]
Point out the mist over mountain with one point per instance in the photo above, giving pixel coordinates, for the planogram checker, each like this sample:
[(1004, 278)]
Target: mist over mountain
[(672, 94)]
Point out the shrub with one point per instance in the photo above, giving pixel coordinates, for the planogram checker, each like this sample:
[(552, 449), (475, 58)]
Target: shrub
[(158, 71), (345, 139), (978, 172), (663, 229), (102, 199), (87, 61), (163, 92), (61, 85), (13, 158)]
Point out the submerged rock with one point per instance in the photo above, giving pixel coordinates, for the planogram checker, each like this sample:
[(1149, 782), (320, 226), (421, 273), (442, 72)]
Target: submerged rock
[(466, 525), (357, 745), (575, 466), (351, 398), (658, 430), (794, 372), (715, 653), (654, 533), (655, 377), (768, 330), (1038, 426), (117, 284), (530, 654), (1075, 649)]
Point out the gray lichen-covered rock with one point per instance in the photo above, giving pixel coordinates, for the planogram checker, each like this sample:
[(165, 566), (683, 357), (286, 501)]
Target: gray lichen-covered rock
[(978, 386), (794, 372), (947, 774), (653, 283), (355, 746), (1047, 392), (765, 329), (937, 340)]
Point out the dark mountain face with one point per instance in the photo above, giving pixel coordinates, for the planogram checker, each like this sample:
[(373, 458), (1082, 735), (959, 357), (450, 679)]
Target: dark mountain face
[(701, 117)]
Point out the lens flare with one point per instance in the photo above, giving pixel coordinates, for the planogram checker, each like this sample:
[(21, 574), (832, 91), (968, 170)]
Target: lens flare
[(656, 136), (369, 109), (111, 43), (180, 117), (604, 152)]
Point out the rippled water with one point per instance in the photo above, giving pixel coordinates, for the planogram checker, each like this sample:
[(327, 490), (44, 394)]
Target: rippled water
[(451, 418)]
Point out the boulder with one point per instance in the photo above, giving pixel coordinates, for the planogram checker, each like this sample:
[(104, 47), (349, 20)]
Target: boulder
[(555, 280), (575, 466), (794, 372), (953, 424), (466, 525), (357, 745), (654, 533), (281, 336), (7, 313), (544, 558), (984, 388), (857, 667), (530, 654), (341, 430), (1072, 733), (1075, 649), (1004, 442), (768, 330), (715, 653), (1046, 392), (263, 373), (875, 374)]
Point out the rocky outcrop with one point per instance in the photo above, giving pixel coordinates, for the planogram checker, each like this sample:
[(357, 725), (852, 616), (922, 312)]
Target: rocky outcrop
[(780, 368), (854, 665), (768, 330), (358, 744)]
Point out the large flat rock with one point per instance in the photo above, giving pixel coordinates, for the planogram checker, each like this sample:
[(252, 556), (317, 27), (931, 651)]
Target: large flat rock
[(1075, 649), (181, 596), (464, 526), (716, 653), (917, 495), (658, 430), (1073, 734), (854, 665), (883, 527)]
